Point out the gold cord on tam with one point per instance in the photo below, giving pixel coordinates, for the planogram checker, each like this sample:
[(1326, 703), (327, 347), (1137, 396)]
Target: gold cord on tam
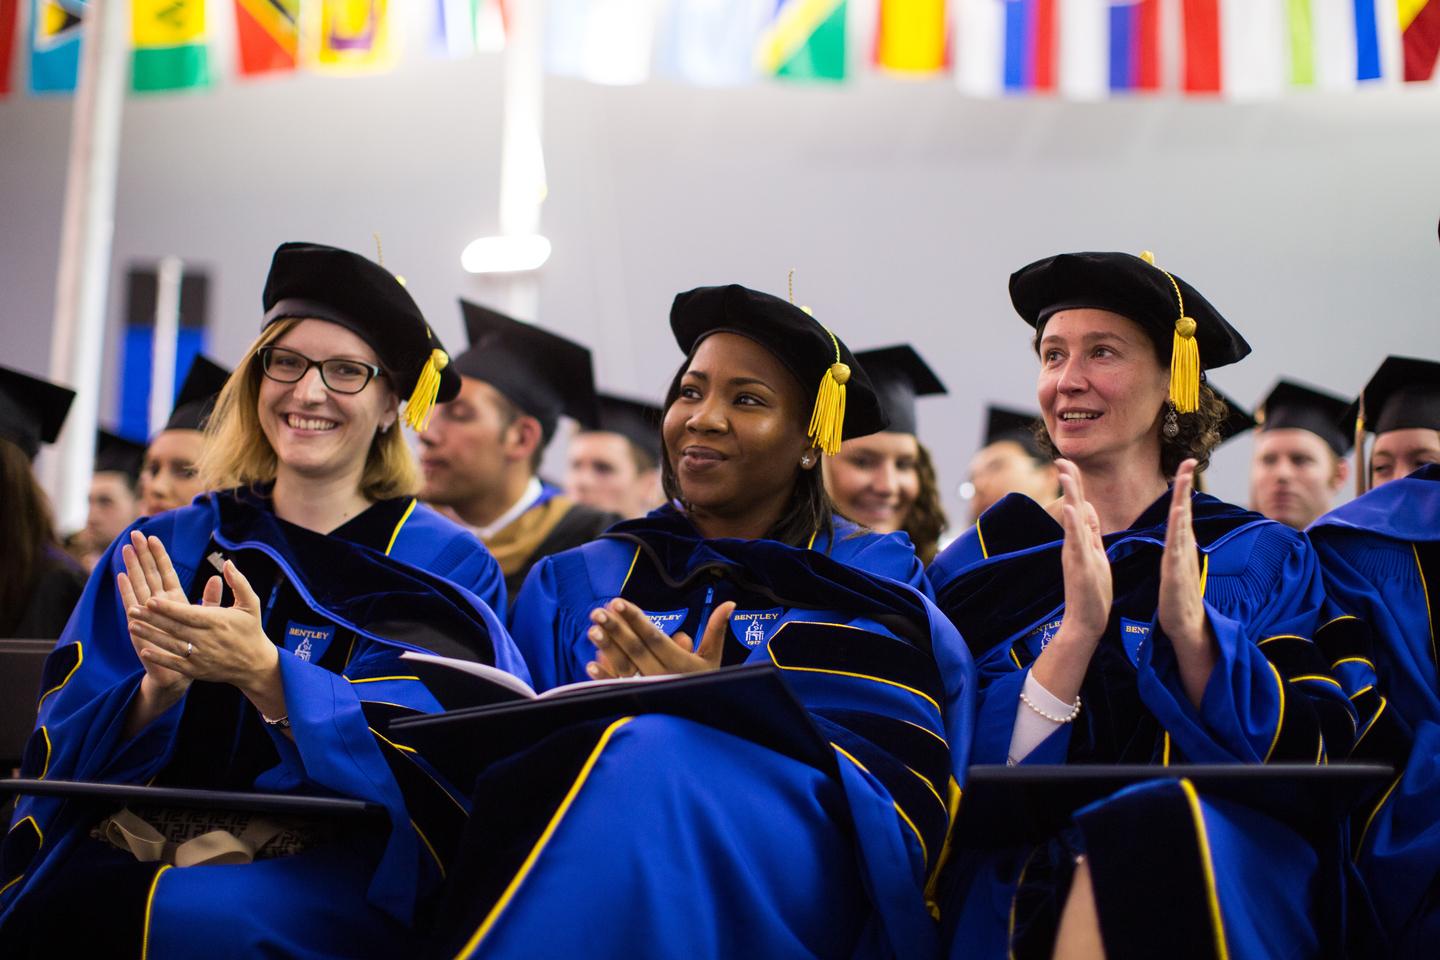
[(1184, 352)]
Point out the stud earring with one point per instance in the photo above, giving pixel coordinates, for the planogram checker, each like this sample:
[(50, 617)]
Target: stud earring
[(807, 460), (1171, 429)]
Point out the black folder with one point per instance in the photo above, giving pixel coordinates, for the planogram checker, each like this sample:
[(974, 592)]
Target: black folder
[(285, 804), (750, 701), (21, 665), (1007, 806)]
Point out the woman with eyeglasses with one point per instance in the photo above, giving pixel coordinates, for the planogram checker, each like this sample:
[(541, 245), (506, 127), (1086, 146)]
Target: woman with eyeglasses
[(253, 641)]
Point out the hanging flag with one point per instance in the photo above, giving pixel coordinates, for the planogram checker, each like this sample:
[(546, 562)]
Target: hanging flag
[(1135, 45), (8, 11), (711, 42), (603, 41), (470, 26), (805, 41), (56, 28), (912, 36), (170, 49), (354, 36), (267, 35), (1030, 45), (1202, 46), (1420, 28)]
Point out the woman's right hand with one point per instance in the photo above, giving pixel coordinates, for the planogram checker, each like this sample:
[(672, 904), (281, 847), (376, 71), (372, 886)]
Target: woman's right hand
[(1089, 589), (149, 573)]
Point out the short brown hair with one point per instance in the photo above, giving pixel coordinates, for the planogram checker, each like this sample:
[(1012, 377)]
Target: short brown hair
[(925, 520), (237, 452)]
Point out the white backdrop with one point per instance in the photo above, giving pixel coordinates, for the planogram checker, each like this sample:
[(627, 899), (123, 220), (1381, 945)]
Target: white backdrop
[(1310, 221)]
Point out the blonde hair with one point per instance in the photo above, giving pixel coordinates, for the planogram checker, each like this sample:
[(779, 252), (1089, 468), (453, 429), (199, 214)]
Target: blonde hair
[(238, 454)]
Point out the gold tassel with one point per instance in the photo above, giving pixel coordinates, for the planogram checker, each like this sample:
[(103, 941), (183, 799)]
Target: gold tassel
[(427, 387), (827, 420), (1185, 367), (1362, 473)]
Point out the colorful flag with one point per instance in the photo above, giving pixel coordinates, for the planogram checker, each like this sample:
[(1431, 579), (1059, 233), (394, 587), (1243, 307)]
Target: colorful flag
[(170, 45), (913, 36), (267, 35), (1135, 45), (354, 36), (603, 41), (1202, 46), (805, 41), (1030, 45), (56, 28), (8, 11), (711, 42), (471, 26), (1420, 28)]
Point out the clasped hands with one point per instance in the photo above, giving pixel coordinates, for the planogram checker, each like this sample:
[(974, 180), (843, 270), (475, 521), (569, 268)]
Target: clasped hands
[(179, 642), (627, 644)]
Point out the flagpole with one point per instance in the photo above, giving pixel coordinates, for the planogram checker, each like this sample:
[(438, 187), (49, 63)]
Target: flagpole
[(522, 156), (83, 275), (167, 333)]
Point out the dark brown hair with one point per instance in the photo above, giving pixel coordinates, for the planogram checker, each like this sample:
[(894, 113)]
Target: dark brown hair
[(810, 514), (1199, 431), (26, 529), (926, 520)]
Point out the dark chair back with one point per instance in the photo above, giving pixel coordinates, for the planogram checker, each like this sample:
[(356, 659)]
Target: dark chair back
[(21, 662)]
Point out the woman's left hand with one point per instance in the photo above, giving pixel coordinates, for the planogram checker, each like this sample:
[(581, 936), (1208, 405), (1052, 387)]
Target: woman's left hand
[(211, 642), (628, 644), (1182, 607)]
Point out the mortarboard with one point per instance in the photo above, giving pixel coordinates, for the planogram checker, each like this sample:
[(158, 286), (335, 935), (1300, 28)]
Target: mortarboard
[(1189, 331), (1237, 420), (1002, 423), (1294, 406), (542, 373), (32, 410), (635, 420), (197, 395), (846, 404), (311, 280), (1403, 394), (899, 375), (117, 454)]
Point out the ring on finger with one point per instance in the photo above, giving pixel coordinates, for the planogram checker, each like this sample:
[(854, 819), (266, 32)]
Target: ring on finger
[(189, 649)]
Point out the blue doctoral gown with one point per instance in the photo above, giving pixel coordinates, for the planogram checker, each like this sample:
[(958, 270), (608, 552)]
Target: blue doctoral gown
[(342, 612), (665, 837), (1271, 698), (1380, 554)]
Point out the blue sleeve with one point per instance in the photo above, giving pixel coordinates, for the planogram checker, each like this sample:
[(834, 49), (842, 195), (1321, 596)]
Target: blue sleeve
[(544, 630), (1270, 696), (480, 574)]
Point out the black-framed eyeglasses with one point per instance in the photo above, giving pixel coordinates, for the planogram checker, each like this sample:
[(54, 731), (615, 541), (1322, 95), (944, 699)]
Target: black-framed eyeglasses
[(338, 373)]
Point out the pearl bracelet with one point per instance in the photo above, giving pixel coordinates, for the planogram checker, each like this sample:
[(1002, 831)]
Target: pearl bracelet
[(1068, 718)]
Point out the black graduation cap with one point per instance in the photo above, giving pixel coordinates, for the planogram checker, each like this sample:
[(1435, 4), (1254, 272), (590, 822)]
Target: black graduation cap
[(117, 454), (1003, 423), (1237, 420), (635, 420), (846, 404), (1295, 406), (542, 373), (1403, 394), (1171, 311), (197, 395), (32, 410), (327, 283), (899, 375)]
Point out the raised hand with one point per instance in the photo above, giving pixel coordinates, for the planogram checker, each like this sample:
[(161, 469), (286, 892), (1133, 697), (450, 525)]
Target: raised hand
[(150, 574), (1181, 610), (1089, 591), (209, 642), (627, 643)]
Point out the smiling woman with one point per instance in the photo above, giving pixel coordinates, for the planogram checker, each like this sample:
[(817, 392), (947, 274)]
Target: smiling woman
[(748, 564), (1136, 621), (251, 640)]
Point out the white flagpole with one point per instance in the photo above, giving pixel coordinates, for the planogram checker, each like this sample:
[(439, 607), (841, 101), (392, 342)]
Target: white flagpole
[(83, 276), (167, 333)]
